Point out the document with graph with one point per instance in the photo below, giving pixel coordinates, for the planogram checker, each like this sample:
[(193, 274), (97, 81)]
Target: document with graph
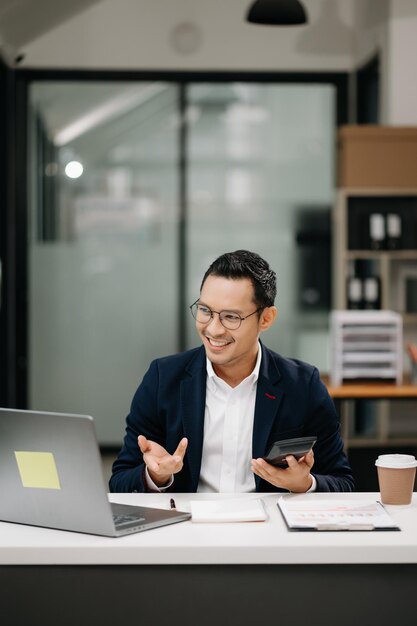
[(361, 515)]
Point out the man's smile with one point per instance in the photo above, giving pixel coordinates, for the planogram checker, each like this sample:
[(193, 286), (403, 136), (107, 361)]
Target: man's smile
[(218, 344)]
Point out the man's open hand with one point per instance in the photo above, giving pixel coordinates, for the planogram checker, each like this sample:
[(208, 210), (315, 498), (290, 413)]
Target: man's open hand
[(161, 465)]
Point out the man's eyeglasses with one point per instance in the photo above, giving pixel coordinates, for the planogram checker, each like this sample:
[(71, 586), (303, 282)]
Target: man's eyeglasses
[(229, 319)]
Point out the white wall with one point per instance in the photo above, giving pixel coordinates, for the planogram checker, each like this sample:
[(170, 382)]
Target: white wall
[(401, 77), (137, 34), (371, 18), (390, 28)]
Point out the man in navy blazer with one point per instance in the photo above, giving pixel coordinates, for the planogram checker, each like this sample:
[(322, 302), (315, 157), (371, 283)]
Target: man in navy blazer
[(202, 420)]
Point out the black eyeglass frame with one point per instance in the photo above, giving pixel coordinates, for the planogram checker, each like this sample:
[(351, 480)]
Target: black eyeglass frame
[(242, 319)]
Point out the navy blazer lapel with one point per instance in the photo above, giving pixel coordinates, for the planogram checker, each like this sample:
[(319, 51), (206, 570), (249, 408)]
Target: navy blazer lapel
[(269, 396), (193, 403)]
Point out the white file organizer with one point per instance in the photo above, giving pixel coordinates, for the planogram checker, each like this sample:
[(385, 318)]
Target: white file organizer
[(366, 344)]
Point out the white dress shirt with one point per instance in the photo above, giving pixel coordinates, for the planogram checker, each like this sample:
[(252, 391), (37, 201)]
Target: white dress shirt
[(228, 426)]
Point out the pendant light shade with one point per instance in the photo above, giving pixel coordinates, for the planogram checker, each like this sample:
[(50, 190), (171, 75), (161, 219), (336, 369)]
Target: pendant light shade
[(277, 12)]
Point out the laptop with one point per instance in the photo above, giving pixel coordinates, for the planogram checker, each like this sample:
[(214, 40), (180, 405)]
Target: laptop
[(51, 476)]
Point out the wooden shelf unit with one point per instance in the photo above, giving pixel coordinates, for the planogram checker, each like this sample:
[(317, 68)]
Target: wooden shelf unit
[(357, 390), (388, 262), (350, 391), (386, 259)]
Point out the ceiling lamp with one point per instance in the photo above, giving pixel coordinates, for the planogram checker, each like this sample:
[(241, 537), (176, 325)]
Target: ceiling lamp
[(277, 13)]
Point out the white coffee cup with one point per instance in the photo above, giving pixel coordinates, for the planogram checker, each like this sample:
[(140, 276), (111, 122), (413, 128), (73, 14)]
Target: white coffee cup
[(396, 476)]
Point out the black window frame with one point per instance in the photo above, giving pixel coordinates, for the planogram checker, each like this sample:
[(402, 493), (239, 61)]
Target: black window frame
[(14, 311)]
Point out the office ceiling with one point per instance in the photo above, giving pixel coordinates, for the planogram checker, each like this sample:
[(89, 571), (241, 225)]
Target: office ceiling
[(23, 21)]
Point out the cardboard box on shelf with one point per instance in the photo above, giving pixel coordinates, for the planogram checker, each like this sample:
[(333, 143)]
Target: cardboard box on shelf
[(377, 156)]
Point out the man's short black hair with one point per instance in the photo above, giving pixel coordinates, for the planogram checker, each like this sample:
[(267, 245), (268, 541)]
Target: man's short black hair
[(245, 264)]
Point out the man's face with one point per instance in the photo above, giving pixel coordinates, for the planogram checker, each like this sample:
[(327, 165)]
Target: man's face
[(226, 347)]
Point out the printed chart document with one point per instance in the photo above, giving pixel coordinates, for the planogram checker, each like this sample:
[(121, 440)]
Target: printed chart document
[(233, 510), (335, 515)]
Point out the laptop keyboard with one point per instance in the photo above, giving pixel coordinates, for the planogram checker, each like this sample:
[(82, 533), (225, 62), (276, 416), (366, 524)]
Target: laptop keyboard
[(121, 520)]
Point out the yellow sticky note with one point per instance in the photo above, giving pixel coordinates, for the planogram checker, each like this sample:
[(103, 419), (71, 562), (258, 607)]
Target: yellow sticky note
[(38, 470)]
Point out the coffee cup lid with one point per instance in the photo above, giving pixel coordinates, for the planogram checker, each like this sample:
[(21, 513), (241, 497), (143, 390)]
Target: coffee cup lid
[(396, 461)]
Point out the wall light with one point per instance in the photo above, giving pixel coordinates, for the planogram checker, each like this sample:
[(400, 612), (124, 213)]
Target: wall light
[(277, 13), (74, 169)]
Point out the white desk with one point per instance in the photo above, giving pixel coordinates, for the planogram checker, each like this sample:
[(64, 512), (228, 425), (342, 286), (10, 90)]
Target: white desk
[(245, 571), (187, 543)]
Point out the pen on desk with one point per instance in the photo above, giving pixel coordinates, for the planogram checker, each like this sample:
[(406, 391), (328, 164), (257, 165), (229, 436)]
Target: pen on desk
[(172, 505)]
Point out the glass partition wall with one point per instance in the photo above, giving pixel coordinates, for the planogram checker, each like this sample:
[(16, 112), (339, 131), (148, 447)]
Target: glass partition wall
[(261, 173), (103, 244), (133, 192)]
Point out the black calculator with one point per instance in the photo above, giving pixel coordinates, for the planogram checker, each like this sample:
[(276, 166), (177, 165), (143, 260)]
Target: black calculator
[(297, 447)]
